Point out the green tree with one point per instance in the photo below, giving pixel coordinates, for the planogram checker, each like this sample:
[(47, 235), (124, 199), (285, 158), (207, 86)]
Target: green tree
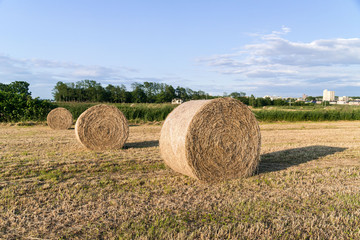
[(19, 87), (181, 93), (169, 93), (16, 103), (260, 102), (151, 89), (166, 94), (268, 101), (60, 92), (244, 100), (237, 94), (138, 93), (116, 94), (279, 102), (252, 101), (310, 98)]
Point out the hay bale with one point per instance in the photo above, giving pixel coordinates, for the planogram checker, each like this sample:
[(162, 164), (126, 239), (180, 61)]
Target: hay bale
[(102, 127), (211, 140), (59, 119)]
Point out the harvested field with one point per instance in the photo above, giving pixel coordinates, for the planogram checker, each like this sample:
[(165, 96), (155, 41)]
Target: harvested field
[(307, 186)]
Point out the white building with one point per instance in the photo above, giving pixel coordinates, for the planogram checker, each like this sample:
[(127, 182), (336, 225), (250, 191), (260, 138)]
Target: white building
[(177, 101), (354, 103), (344, 99), (328, 95)]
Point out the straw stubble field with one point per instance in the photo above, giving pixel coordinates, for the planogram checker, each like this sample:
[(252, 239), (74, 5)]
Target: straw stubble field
[(51, 187)]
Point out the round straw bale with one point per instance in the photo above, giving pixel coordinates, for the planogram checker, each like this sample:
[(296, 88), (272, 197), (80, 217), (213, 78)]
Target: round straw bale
[(211, 140), (60, 119), (102, 127)]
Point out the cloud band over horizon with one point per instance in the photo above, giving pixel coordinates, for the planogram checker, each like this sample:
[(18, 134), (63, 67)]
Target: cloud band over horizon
[(276, 61)]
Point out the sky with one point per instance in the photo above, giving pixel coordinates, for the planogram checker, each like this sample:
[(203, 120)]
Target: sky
[(260, 47)]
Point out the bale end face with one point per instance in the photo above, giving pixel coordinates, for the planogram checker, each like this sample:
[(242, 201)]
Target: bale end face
[(102, 127), (59, 119), (216, 140)]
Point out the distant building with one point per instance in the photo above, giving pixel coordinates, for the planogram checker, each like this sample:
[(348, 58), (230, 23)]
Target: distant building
[(177, 101), (304, 96), (328, 95), (341, 102), (354, 103), (344, 99)]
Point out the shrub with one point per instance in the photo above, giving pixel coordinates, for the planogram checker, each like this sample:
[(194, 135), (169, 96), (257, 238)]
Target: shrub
[(15, 106), (133, 112)]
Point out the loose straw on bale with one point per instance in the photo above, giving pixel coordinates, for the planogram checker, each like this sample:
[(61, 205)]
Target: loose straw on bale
[(102, 127), (211, 140), (59, 119)]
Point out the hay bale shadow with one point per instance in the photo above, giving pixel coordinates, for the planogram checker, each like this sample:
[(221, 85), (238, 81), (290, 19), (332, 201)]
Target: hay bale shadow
[(280, 160), (144, 144)]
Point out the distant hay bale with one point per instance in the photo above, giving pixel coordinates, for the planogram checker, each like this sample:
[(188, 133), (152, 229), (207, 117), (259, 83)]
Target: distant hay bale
[(211, 140), (102, 127), (59, 119)]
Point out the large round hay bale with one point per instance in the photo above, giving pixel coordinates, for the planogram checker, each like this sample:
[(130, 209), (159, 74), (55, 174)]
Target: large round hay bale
[(102, 127), (211, 140), (59, 119)]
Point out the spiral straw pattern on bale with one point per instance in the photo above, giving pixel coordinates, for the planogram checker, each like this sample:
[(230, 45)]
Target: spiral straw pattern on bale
[(59, 119), (102, 127), (211, 140)]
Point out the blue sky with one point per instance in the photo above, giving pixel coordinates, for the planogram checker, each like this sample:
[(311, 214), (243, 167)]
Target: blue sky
[(260, 47)]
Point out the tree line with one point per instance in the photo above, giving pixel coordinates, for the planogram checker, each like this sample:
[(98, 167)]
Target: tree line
[(262, 102), (147, 92), (16, 103)]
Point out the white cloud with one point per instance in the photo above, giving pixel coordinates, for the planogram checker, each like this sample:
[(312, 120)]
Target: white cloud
[(44, 74), (275, 60), (9, 65)]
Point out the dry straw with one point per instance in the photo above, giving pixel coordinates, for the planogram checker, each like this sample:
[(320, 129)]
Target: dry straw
[(211, 140), (102, 127), (60, 119)]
